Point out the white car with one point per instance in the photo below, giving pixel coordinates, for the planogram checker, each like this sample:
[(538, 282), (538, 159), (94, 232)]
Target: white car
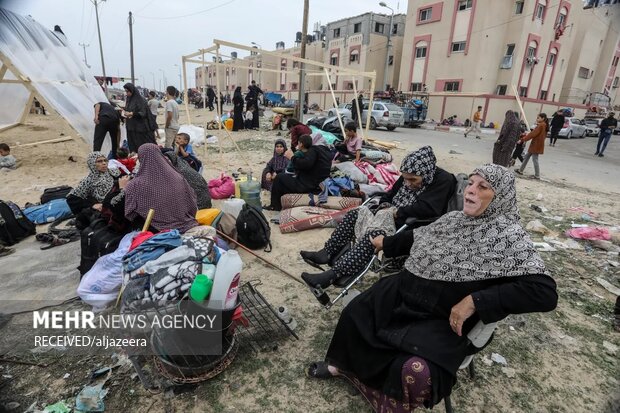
[(384, 114), (592, 126), (343, 109), (573, 128)]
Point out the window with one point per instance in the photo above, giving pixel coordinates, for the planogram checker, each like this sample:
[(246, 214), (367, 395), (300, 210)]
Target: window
[(426, 14), (552, 58), (451, 87), (540, 11), (379, 27), (501, 89), (523, 91), (458, 46), (357, 27), (416, 87), (543, 95), (584, 73), (282, 86), (283, 64), (616, 82), (295, 65), (531, 53), (519, 7), (561, 20), (394, 28), (465, 4), (614, 61), (420, 52), (390, 60), (293, 86), (507, 60), (355, 56), (333, 86), (336, 32), (333, 60)]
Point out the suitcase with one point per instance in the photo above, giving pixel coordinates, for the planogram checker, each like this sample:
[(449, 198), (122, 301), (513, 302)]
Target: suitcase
[(14, 225), (56, 192), (96, 240)]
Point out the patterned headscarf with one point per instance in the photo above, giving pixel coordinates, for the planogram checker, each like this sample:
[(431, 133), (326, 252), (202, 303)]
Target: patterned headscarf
[(159, 186), (422, 163), (195, 180), (278, 163), (459, 248), (96, 184)]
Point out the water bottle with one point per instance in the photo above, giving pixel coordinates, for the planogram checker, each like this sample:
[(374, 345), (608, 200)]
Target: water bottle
[(226, 283), (201, 287), (250, 192), (284, 315)]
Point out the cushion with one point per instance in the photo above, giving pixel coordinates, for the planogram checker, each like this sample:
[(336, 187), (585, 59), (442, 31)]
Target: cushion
[(306, 217)]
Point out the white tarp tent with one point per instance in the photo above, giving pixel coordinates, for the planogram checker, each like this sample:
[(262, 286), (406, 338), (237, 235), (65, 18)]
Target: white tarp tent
[(38, 63)]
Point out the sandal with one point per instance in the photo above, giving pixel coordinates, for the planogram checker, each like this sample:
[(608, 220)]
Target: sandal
[(319, 370), (56, 242), (268, 208)]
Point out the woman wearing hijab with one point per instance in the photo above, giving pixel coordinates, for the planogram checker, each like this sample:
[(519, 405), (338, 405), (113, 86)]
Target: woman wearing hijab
[(422, 191), (90, 193), (195, 180), (276, 165), (138, 121), (159, 186), (507, 140), (401, 341), (237, 109)]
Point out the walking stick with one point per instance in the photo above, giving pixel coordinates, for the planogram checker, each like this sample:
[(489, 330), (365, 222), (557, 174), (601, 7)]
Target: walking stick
[(259, 257)]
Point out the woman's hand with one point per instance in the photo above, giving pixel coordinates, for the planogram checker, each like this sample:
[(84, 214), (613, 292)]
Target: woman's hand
[(122, 182), (268, 177), (97, 207), (288, 154), (461, 312), (377, 242)]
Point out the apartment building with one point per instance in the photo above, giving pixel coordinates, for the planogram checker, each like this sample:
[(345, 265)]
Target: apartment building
[(467, 53)]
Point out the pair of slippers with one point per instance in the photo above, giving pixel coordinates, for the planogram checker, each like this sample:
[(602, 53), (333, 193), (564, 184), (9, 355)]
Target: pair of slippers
[(5, 251), (319, 370), (51, 240)]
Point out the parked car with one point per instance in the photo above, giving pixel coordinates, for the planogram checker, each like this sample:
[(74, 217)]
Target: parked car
[(592, 126), (573, 128), (384, 114)]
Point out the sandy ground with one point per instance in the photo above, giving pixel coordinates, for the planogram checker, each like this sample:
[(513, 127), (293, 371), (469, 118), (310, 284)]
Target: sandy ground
[(556, 362)]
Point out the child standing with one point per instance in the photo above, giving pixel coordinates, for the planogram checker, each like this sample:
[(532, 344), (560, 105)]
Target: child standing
[(7, 161), (351, 148), (249, 116)]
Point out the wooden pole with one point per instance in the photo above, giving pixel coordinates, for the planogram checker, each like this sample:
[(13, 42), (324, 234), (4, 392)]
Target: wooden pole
[(217, 98), (329, 83), (357, 108), (302, 86), (57, 140), (514, 89), (372, 94), (186, 98)]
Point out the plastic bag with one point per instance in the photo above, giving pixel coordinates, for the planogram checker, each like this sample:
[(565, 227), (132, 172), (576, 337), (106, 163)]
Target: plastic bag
[(196, 134), (222, 187), (589, 233)]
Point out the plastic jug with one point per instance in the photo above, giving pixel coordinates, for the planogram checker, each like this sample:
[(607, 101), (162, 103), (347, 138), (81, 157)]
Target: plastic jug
[(201, 287), (249, 191), (233, 206), (226, 284)]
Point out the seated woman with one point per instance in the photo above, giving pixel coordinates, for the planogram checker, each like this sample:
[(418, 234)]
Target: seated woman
[(296, 129), (275, 166), (193, 178), (88, 195), (159, 186), (310, 170), (401, 341), (422, 191)]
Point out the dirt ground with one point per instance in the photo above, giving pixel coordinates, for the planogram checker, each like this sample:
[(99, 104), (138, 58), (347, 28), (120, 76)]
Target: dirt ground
[(556, 362)]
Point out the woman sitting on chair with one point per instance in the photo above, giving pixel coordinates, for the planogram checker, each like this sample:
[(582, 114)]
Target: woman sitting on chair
[(422, 191), (402, 341)]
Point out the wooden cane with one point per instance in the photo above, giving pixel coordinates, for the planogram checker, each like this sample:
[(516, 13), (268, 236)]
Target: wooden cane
[(259, 257)]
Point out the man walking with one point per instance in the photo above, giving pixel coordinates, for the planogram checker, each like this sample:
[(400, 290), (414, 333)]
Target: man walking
[(172, 116), (210, 98), (153, 106), (607, 128), (557, 123), (475, 125), (357, 105)]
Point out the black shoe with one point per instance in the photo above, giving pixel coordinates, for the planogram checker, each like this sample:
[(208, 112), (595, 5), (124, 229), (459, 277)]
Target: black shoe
[(343, 281), (600, 155), (322, 280), (320, 257), (596, 153)]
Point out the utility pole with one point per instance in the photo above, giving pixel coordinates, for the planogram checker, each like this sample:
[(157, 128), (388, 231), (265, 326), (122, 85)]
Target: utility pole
[(84, 46), (387, 53), (130, 19), (105, 83), (302, 77)]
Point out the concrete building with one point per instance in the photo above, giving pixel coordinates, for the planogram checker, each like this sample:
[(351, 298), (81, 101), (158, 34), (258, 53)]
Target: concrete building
[(471, 52)]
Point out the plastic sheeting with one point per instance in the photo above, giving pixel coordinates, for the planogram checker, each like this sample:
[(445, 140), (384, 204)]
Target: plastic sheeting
[(55, 71)]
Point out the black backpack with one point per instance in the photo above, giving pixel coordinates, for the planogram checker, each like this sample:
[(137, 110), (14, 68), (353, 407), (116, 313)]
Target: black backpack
[(96, 240), (14, 225), (253, 229), (56, 192)]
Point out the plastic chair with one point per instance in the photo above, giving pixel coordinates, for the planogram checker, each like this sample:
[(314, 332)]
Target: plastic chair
[(478, 337)]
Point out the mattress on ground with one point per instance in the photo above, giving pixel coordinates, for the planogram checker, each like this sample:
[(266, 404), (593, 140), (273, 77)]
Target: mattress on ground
[(333, 202), (306, 217)]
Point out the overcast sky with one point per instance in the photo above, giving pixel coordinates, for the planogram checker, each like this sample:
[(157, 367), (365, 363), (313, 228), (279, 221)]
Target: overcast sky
[(164, 30)]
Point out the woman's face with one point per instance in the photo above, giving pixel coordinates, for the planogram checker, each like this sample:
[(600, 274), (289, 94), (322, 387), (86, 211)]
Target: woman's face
[(539, 119), (412, 181), (128, 93), (101, 164), (279, 149), (478, 195)]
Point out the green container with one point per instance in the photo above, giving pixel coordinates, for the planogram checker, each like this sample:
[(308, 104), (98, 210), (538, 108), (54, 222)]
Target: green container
[(201, 288), (250, 192)]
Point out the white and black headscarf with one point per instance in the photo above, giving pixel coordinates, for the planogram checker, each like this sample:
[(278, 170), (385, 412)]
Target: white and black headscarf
[(459, 248), (422, 163), (96, 184)]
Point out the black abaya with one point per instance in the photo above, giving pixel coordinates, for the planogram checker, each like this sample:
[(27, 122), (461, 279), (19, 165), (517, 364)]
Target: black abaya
[(237, 112), (139, 128)]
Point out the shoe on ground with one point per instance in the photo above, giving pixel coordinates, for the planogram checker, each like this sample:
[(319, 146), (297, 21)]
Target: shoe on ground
[(535, 177), (322, 280), (478, 137), (518, 171), (595, 153), (465, 134), (320, 257), (600, 155)]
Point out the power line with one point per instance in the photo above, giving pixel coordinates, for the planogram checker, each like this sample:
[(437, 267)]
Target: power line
[(190, 14)]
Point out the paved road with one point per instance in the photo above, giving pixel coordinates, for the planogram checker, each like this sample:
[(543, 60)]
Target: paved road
[(570, 161)]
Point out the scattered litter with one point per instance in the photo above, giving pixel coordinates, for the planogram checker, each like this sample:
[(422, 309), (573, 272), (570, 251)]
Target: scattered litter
[(499, 359), (7, 376), (511, 328), (11, 406), (605, 245), (569, 244), (539, 208), (212, 139), (544, 247), (509, 372), (583, 210), (589, 233), (453, 152), (608, 286), (66, 376), (554, 218), (539, 197), (579, 225), (486, 361), (611, 348), (90, 399), (586, 217), (58, 407), (613, 263), (538, 227)]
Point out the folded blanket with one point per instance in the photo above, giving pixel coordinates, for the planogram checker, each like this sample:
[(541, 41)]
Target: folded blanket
[(333, 202), (306, 217)]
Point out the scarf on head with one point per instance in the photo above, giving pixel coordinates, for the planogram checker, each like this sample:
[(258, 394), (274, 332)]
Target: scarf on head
[(422, 163), (136, 101), (96, 184), (278, 163), (193, 177), (159, 186), (459, 248), (511, 129)]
